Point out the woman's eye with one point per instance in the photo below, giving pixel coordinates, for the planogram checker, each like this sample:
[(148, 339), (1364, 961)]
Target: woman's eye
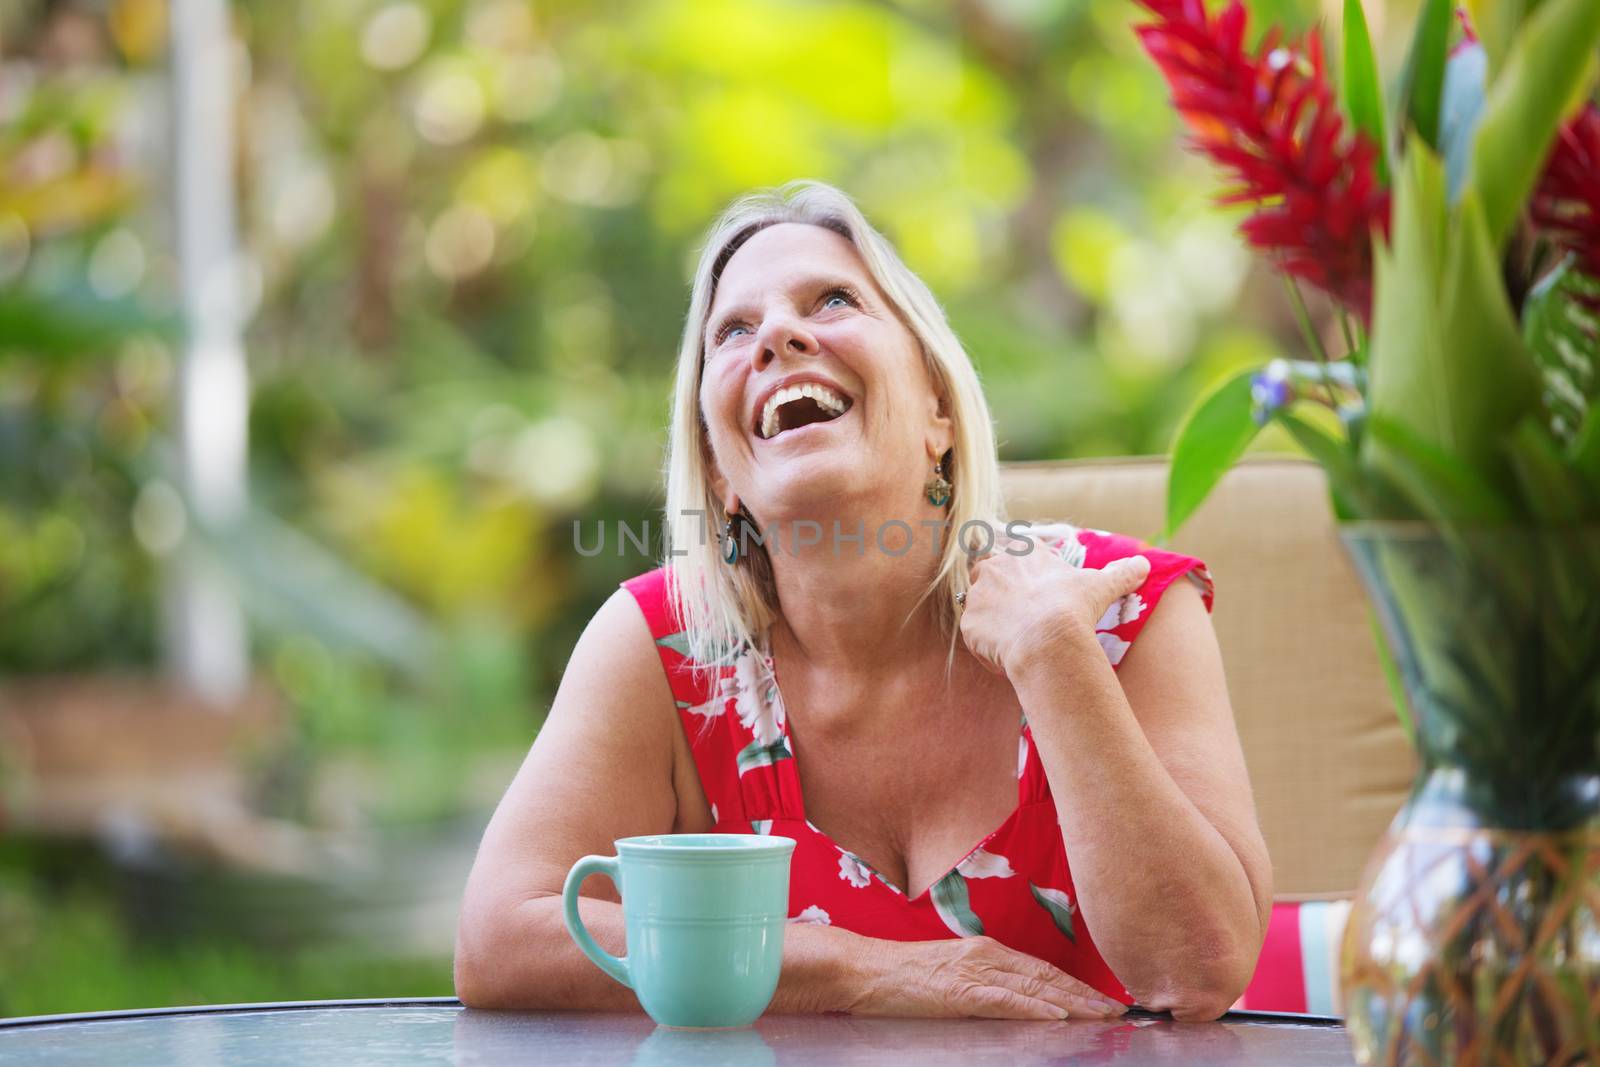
[(836, 294)]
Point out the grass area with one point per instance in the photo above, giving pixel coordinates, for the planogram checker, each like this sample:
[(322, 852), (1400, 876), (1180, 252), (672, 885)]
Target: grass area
[(81, 944)]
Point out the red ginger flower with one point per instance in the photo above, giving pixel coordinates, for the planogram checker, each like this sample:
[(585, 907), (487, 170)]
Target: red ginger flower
[(1566, 204), (1271, 119)]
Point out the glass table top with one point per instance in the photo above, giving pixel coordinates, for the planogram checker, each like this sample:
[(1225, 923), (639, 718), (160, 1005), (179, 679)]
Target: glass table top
[(441, 1031)]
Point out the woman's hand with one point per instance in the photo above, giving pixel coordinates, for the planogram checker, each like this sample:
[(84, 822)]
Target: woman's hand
[(1021, 600), (972, 976)]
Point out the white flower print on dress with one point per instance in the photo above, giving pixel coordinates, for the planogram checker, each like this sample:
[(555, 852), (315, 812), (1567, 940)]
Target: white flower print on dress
[(853, 870), (1061, 538), (1122, 611), (1115, 646), (714, 817), (756, 698), (813, 915), (727, 688), (1060, 907), (1073, 550), (982, 864)]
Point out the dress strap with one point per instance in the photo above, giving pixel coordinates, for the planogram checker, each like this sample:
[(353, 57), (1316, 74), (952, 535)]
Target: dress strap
[(731, 715), (650, 591)]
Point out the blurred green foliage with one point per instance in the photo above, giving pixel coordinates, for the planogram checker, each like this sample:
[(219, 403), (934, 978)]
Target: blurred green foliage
[(91, 944), (470, 228)]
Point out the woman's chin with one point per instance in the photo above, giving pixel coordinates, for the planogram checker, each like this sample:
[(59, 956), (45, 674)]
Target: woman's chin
[(811, 484)]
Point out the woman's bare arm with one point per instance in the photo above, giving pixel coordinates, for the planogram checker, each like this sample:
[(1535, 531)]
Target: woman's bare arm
[(602, 768), (1171, 870)]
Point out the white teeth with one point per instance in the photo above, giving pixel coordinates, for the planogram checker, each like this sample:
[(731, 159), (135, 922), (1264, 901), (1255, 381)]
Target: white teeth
[(825, 397)]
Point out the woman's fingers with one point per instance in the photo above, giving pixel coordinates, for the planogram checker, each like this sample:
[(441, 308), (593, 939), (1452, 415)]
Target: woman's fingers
[(1068, 990), (996, 1002), (1061, 995), (1027, 976)]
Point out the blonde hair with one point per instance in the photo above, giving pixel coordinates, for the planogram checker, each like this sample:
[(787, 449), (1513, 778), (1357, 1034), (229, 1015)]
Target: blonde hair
[(724, 609)]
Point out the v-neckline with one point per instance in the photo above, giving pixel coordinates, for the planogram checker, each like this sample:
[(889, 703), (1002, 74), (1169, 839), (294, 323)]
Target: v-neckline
[(1023, 734)]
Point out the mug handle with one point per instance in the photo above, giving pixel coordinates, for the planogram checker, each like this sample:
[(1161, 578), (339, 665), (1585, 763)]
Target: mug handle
[(607, 865)]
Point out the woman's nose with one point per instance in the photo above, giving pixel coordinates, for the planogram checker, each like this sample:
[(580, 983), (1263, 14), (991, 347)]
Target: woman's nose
[(785, 334)]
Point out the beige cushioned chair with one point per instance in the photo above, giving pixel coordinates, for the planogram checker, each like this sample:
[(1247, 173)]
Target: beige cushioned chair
[(1328, 759)]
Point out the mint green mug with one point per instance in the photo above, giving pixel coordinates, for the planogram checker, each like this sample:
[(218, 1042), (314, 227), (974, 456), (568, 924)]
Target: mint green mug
[(704, 915)]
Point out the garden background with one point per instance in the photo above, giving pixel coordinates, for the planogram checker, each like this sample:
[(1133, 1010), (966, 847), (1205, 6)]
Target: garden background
[(467, 231)]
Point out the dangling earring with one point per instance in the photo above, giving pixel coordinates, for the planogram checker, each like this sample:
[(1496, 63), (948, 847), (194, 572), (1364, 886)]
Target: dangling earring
[(937, 487), (730, 539)]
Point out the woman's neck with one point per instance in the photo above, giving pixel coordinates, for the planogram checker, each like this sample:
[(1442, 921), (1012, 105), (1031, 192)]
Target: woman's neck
[(845, 608)]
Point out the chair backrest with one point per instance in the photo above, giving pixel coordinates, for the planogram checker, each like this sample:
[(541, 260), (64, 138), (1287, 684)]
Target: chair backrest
[(1328, 759)]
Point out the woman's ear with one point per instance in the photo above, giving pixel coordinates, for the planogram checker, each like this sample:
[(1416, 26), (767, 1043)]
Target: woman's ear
[(719, 484), (719, 489), (941, 427)]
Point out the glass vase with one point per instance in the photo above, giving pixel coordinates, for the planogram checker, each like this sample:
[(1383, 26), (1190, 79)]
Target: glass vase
[(1474, 937)]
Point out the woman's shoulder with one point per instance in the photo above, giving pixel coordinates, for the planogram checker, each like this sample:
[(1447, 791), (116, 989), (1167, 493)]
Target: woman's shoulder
[(1087, 546), (624, 626), (649, 591), (1094, 548), (652, 592)]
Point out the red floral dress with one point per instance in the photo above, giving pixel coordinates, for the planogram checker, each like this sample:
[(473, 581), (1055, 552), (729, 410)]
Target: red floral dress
[(1015, 885)]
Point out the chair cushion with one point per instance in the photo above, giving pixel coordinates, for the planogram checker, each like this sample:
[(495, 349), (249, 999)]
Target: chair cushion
[(1299, 966)]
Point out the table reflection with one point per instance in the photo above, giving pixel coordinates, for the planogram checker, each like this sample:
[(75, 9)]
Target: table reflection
[(632, 1040)]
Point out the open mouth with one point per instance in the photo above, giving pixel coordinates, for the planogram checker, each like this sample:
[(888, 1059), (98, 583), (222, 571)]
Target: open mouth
[(799, 405)]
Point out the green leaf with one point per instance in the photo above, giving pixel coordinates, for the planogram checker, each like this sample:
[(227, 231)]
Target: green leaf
[(1557, 495), (1465, 81), (678, 642), (1496, 23), (1422, 83), (1448, 362), (1212, 438), (1440, 486), (1548, 63), (950, 900), (1584, 453), (1551, 490), (1351, 495), (1491, 380), (1360, 88), (755, 754), (1562, 333), (1060, 908), (70, 324)]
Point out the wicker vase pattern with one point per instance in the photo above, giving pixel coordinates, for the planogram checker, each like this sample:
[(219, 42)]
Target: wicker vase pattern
[(1474, 937)]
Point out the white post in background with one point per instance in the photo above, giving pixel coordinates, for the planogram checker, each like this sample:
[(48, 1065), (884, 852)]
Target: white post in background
[(207, 643)]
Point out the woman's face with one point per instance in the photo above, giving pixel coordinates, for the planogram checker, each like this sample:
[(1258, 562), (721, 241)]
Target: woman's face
[(797, 307)]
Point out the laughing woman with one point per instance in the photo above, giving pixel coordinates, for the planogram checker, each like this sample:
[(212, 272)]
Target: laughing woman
[(942, 720)]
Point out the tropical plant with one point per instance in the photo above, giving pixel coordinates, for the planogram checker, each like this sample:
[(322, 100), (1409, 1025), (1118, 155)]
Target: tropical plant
[(1459, 240)]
